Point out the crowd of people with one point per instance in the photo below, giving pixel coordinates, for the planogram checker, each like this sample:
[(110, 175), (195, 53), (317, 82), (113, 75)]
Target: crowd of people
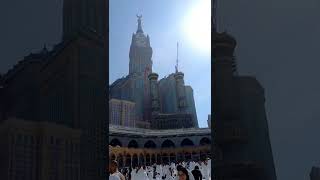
[(171, 171)]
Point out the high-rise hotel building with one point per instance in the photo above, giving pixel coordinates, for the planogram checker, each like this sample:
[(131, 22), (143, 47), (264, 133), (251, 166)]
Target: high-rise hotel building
[(122, 112)]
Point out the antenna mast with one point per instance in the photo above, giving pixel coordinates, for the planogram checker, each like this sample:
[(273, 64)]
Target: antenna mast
[(177, 63)]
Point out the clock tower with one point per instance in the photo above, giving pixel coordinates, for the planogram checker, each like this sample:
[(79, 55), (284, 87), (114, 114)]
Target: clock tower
[(140, 66), (140, 52)]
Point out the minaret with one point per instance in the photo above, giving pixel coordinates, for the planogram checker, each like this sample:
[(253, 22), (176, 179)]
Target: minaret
[(180, 88), (155, 102), (223, 69), (84, 16), (181, 92), (140, 51)]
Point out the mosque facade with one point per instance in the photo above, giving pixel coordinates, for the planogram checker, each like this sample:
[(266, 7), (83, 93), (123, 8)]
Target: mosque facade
[(137, 146)]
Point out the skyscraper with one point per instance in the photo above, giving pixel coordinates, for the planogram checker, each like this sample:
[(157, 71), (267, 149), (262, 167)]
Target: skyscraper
[(157, 102), (122, 112)]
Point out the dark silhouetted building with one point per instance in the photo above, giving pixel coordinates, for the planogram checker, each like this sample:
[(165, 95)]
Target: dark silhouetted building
[(315, 173), (63, 88), (240, 127), (39, 150)]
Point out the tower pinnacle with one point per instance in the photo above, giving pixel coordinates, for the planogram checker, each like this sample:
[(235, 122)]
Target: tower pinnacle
[(139, 30)]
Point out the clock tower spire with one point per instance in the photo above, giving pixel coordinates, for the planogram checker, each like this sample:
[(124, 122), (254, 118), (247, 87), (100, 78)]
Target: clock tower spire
[(139, 30), (140, 51)]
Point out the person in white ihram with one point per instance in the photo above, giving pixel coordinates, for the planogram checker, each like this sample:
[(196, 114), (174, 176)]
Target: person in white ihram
[(141, 174), (134, 173), (205, 169), (113, 177), (150, 173), (209, 167)]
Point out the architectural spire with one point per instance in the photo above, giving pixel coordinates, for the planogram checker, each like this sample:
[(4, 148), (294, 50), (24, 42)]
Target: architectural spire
[(177, 62), (139, 30)]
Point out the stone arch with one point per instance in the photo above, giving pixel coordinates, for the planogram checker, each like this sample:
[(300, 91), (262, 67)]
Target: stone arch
[(115, 142), (150, 144), (168, 144), (141, 159), (135, 161), (148, 159), (204, 141), (172, 157), (186, 142), (133, 144), (187, 156), (128, 160), (195, 156), (180, 157), (158, 158), (153, 159), (165, 158)]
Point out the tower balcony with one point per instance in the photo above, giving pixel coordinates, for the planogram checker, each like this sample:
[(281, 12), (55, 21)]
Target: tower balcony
[(179, 75), (153, 76)]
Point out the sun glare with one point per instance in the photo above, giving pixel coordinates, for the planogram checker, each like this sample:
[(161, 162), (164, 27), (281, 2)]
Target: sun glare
[(197, 26)]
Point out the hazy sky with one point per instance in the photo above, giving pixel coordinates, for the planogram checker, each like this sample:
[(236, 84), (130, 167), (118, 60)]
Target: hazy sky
[(166, 22), (278, 42)]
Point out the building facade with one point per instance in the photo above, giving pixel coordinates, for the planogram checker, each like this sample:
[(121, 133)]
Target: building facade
[(39, 150), (240, 125), (122, 113), (166, 125), (134, 146), (154, 99)]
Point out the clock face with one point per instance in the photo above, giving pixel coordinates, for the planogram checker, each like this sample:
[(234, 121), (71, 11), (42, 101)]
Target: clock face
[(141, 40)]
